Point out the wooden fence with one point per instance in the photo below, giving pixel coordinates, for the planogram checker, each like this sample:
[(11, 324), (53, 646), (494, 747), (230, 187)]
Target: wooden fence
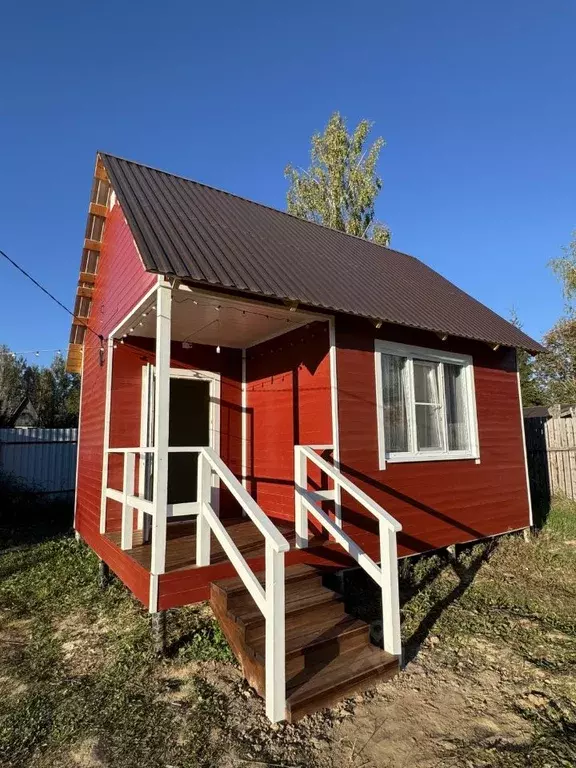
[(551, 452)]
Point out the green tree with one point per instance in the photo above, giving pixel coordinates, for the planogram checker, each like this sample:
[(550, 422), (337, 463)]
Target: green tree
[(564, 267), (530, 381), (341, 185), (555, 369), (12, 384), (54, 393)]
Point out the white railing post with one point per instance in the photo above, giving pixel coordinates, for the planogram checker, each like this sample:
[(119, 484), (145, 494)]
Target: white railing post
[(300, 512), (127, 511), (204, 492), (275, 654), (106, 443), (392, 640), (161, 422)]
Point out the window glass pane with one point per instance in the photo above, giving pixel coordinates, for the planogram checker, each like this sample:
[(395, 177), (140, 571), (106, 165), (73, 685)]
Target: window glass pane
[(456, 413), (426, 382), (428, 410), (394, 402), (428, 428)]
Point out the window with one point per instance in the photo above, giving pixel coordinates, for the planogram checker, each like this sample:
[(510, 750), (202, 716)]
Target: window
[(426, 405)]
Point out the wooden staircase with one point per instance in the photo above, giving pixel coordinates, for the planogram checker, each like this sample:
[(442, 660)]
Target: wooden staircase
[(328, 652)]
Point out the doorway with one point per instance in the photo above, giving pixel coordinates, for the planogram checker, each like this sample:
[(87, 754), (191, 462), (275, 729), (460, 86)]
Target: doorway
[(189, 425), (194, 420)]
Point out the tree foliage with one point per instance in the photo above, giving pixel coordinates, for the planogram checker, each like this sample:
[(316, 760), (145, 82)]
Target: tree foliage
[(54, 393), (550, 378), (564, 267), (12, 383), (555, 369), (340, 187)]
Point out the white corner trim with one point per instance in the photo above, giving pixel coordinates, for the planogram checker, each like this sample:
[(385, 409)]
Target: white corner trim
[(106, 440), (78, 436), (530, 510)]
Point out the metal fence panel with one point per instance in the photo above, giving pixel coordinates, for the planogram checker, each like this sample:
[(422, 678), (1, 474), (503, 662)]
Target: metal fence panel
[(44, 459)]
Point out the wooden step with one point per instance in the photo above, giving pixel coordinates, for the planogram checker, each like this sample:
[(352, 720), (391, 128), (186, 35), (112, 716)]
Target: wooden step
[(235, 586), (330, 681), (301, 597), (328, 652), (326, 632)]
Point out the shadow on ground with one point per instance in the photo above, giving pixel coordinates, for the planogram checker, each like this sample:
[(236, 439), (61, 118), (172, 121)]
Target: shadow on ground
[(363, 597)]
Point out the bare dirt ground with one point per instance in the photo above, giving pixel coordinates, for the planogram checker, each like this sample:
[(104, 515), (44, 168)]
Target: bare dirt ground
[(490, 679)]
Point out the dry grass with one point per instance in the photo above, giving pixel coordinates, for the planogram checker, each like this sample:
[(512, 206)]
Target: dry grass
[(491, 679)]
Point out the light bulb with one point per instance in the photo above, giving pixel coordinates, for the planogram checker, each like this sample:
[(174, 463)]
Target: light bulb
[(218, 350)]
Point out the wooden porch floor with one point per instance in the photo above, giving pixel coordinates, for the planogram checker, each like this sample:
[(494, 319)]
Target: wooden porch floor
[(181, 543)]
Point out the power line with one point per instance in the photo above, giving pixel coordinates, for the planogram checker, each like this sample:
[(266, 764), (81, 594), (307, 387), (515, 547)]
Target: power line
[(47, 292)]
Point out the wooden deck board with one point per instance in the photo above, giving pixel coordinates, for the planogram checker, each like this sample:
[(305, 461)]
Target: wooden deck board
[(181, 543)]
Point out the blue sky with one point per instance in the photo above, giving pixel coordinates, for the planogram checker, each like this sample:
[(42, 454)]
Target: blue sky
[(475, 101)]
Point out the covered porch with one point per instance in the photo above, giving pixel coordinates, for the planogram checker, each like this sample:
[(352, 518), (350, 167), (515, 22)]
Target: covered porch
[(221, 456)]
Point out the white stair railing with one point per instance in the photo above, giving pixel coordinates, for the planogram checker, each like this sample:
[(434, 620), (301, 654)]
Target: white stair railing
[(385, 574), (269, 598)]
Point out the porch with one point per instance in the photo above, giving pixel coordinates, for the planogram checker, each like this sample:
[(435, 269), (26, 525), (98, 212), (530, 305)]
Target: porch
[(212, 487)]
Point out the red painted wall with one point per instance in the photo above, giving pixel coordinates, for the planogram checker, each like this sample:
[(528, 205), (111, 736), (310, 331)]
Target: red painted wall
[(120, 284), (288, 403), (438, 503)]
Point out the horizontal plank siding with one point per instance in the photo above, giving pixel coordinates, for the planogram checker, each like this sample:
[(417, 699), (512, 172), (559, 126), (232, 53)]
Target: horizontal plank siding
[(438, 502), (288, 403), (120, 284)]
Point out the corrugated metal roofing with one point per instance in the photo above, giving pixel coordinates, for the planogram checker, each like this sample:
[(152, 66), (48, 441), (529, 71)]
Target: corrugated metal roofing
[(192, 231)]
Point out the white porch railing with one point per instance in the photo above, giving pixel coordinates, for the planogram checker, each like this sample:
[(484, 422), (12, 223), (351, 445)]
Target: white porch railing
[(385, 574), (270, 599)]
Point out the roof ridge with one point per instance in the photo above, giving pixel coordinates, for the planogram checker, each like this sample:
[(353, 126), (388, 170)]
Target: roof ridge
[(256, 202)]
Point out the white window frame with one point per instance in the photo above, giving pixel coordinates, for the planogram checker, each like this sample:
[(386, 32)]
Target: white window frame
[(435, 356)]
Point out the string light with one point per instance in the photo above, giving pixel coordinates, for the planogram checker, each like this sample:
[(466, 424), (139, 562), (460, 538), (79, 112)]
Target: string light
[(35, 352)]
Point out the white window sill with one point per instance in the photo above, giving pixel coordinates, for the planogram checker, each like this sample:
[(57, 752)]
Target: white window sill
[(407, 458)]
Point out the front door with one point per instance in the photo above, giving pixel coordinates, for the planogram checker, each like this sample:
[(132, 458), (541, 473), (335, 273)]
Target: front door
[(189, 425)]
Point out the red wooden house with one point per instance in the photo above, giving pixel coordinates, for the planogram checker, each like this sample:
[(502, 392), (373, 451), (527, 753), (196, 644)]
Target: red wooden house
[(265, 400)]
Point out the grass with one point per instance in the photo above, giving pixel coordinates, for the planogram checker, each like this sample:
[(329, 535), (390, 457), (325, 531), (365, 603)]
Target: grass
[(81, 685), (78, 668)]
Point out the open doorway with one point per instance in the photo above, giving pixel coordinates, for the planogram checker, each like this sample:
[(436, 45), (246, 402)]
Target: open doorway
[(193, 421)]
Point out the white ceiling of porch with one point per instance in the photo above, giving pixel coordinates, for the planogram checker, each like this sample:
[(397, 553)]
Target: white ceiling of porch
[(198, 318)]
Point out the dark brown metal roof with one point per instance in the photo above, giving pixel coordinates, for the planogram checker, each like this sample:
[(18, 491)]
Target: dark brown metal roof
[(192, 231)]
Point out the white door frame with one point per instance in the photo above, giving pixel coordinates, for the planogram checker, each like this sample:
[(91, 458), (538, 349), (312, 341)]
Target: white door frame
[(214, 379)]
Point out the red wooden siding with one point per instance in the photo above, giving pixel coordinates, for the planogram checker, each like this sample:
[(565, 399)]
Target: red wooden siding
[(437, 502), (120, 284), (288, 403)]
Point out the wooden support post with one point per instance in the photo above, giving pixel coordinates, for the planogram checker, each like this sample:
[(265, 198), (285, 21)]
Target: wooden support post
[(275, 653), (526, 535), (392, 641), (204, 498), (300, 512), (103, 574), (161, 422), (158, 630), (127, 511)]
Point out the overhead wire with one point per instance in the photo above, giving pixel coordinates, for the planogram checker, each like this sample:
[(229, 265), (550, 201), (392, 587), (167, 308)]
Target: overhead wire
[(47, 292)]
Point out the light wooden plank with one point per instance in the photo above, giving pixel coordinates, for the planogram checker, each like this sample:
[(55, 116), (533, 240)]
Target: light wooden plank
[(98, 210)]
